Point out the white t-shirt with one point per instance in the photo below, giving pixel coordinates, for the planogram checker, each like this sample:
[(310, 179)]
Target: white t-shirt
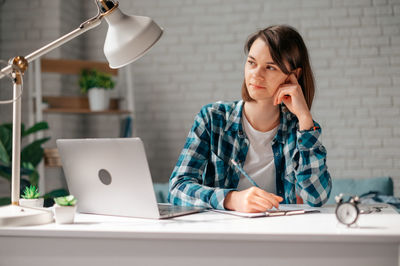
[(259, 164)]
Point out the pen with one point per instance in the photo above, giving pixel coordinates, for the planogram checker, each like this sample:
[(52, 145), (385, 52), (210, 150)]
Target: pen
[(240, 170), (244, 173)]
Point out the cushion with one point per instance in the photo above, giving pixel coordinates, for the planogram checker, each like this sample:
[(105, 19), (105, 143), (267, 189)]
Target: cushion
[(161, 190), (383, 185)]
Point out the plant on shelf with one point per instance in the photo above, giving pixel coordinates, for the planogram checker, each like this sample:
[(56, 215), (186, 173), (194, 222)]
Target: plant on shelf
[(64, 209), (96, 84), (30, 198)]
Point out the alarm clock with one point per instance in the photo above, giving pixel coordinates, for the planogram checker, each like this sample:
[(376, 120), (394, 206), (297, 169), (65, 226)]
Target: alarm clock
[(347, 212)]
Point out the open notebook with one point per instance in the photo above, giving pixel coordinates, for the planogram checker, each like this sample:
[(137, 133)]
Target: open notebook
[(284, 210)]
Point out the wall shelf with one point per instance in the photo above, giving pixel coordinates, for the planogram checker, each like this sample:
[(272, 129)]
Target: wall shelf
[(68, 66), (78, 105), (84, 111)]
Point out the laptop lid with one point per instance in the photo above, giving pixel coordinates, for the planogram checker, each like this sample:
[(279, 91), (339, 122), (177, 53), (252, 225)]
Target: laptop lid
[(109, 176)]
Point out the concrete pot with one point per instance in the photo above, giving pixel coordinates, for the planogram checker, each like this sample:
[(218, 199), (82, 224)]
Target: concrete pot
[(99, 99), (35, 203), (64, 214)]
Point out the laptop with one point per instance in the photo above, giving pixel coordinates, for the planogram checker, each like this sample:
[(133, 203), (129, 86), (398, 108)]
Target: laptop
[(112, 177)]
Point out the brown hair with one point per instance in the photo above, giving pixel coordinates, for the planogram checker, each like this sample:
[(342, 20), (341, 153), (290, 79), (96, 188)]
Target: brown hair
[(285, 45)]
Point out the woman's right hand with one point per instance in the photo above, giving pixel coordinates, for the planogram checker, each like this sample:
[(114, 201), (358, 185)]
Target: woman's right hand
[(252, 199)]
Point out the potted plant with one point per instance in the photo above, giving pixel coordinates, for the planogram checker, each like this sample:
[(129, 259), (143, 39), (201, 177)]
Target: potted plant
[(31, 156), (30, 198), (96, 85), (64, 209)]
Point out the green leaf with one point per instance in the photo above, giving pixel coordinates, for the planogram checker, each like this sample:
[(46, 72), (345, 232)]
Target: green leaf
[(31, 192), (56, 193), (5, 171), (61, 201), (4, 157), (8, 126), (33, 152), (69, 200), (35, 128), (28, 169), (5, 201), (34, 178), (6, 137)]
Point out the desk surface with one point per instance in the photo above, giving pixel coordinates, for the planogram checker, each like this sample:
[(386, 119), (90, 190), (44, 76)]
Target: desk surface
[(372, 228)]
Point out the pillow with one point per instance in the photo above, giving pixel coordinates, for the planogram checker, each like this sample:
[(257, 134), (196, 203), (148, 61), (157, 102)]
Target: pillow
[(161, 190), (352, 186)]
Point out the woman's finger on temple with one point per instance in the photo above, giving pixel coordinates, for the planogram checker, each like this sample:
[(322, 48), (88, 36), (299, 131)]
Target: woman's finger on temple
[(282, 93)]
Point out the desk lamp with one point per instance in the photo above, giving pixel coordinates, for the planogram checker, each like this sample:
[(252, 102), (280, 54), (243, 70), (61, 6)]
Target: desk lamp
[(128, 38)]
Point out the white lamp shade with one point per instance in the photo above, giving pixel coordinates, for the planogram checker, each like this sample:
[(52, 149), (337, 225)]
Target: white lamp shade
[(128, 37)]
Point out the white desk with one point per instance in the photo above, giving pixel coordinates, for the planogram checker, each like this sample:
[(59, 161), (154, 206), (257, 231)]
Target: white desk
[(207, 238)]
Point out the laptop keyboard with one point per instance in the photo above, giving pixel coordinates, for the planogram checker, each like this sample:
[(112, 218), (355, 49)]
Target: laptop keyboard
[(168, 210)]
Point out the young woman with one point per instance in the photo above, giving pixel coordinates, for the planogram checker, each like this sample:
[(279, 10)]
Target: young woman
[(270, 135)]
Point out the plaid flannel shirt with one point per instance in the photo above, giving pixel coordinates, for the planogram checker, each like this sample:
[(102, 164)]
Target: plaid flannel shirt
[(203, 175)]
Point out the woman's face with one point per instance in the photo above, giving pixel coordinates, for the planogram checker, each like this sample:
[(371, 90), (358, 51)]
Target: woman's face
[(262, 75)]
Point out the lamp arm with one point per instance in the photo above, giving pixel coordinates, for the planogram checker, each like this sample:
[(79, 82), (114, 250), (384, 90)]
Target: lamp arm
[(16, 67), (89, 24)]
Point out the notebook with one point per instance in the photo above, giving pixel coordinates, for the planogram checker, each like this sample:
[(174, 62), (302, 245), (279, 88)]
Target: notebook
[(284, 210), (112, 177)]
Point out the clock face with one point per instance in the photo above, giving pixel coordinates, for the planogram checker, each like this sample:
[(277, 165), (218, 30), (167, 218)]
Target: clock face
[(347, 213)]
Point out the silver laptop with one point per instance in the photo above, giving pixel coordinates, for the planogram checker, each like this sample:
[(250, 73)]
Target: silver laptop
[(112, 177)]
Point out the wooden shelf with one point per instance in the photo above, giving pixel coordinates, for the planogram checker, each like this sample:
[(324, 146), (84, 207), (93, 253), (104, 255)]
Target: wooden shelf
[(67, 66), (78, 105), (83, 111), (51, 157)]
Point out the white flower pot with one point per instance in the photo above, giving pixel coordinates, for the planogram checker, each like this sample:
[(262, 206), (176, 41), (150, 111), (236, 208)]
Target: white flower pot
[(64, 214), (35, 203), (99, 99)]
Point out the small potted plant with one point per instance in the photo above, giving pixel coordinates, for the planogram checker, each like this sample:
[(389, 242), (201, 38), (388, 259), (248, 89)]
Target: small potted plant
[(30, 198), (64, 209), (96, 85)]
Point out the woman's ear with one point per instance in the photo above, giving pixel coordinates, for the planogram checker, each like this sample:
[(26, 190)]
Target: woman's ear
[(297, 72)]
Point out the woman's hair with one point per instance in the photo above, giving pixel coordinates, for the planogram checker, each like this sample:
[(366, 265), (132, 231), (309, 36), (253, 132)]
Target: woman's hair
[(285, 45)]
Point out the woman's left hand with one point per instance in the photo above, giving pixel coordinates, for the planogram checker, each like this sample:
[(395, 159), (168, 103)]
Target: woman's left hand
[(292, 96)]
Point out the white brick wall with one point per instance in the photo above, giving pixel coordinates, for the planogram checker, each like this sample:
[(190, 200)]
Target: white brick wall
[(354, 47)]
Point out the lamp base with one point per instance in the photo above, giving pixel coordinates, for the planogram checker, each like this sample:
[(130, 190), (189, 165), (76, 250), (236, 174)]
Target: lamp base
[(12, 215)]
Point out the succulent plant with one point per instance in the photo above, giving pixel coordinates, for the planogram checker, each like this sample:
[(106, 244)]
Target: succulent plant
[(31, 192), (69, 200)]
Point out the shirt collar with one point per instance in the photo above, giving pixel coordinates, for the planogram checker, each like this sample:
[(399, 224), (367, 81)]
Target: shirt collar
[(234, 122)]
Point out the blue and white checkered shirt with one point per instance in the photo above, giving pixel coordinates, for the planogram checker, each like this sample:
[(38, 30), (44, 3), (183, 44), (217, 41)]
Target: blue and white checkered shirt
[(203, 175)]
